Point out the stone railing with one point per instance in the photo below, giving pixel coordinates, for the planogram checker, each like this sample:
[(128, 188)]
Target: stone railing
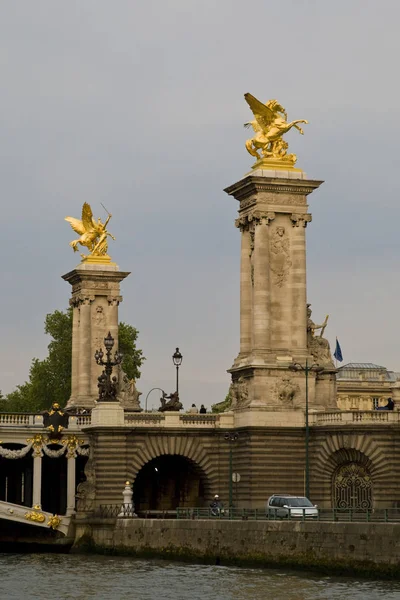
[(35, 420), (359, 417), (20, 419), (176, 419)]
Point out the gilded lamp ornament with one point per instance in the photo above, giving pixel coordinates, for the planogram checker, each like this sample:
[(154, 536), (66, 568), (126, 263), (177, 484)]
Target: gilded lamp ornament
[(269, 125), (93, 235)]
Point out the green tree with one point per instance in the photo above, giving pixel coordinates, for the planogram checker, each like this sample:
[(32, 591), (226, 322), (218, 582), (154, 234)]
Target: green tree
[(133, 358), (50, 379)]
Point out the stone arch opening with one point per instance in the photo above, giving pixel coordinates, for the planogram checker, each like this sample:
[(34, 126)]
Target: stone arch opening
[(54, 482), (16, 477), (169, 481), (352, 486)]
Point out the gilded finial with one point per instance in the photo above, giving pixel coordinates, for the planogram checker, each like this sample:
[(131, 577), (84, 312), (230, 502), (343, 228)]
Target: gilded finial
[(269, 125), (93, 235)]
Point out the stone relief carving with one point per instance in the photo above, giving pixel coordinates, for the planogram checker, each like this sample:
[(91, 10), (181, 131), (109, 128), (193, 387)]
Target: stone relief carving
[(280, 256), (300, 219), (239, 394), (318, 345), (99, 317), (285, 390), (86, 490), (247, 202)]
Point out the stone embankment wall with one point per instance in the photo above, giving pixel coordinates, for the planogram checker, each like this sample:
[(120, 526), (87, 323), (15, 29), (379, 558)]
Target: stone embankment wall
[(369, 548)]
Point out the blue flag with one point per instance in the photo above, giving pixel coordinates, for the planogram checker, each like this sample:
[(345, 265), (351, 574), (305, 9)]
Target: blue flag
[(338, 352)]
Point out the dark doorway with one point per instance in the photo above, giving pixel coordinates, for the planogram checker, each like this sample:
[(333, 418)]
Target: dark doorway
[(167, 482), (16, 477), (54, 483)]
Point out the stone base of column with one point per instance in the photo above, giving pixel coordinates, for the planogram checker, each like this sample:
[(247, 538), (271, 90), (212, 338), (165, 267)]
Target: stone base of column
[(107, 414), (266, 382)]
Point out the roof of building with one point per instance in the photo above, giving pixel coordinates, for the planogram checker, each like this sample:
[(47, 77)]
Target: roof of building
[(368, 372), (359, 366)]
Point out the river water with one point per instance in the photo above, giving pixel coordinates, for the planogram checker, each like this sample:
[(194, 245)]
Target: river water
[(74, 577)]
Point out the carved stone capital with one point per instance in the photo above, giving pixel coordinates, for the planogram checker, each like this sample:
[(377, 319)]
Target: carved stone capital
[(300, 219), (114, 300), (77, 301), (256, 217)]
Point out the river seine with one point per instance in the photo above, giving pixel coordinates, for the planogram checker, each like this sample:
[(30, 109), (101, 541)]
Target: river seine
[(74, 577)]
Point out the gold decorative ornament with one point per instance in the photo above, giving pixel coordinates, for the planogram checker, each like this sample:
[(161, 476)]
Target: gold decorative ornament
[(93, 235), (35, 514), (37, 442), (269, 125), (54, 521)]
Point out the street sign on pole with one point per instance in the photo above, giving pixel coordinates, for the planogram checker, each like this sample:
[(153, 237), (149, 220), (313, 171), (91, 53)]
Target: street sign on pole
[(235, 477)]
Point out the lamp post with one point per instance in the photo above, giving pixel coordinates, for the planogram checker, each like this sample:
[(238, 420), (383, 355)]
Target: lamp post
[(307, 368), (148, 394), (107, 388), (177, 359), (231, 437)]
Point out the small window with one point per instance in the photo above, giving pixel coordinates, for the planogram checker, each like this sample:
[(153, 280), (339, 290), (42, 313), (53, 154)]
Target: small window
[(375, 403)]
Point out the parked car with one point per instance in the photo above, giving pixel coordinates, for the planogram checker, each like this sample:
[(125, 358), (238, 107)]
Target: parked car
[(286, 506)]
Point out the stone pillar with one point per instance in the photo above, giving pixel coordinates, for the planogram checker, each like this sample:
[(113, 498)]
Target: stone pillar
[(95, 300), (245, 291), (37, 480), (273, 215), (71, 483), (75, 349), (85, 356)]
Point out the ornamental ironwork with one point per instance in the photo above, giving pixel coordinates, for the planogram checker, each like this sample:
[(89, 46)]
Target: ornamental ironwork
[(352, 487)]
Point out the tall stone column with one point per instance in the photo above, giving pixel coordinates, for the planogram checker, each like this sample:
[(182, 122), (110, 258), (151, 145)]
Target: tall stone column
[(95, 300), (273, 215), (37, 480), (245, 290)]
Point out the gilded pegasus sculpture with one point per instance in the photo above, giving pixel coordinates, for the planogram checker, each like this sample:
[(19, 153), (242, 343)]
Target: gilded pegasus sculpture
[(269, 125), (93, 234)]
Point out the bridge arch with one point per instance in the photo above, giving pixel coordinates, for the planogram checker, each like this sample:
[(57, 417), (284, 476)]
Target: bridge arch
[(348, 465), (186, 461), (169, 481)]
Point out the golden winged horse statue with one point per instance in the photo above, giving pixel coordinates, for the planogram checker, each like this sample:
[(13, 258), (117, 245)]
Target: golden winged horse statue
[(93, 234), (269, 125)]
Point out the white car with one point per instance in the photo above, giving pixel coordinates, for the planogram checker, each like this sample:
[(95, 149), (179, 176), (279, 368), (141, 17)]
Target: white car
[(286, 506)]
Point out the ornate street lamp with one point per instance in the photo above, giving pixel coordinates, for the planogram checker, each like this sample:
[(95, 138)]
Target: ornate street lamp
[(307, 368), (177, 359), (107, 387), (231, 437)]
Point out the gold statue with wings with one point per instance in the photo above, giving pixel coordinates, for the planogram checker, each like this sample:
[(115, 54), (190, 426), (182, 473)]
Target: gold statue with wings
[(269, 125), (93, 234)]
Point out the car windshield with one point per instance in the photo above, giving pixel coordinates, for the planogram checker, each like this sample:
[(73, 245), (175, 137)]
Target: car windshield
[(298, 502)]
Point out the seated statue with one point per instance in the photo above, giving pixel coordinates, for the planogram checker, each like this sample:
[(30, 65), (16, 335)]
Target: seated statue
[(318, 345), (172, 404), (128, 395)]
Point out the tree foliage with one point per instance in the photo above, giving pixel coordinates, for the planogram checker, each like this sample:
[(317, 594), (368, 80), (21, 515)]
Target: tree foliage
[(50, 379)]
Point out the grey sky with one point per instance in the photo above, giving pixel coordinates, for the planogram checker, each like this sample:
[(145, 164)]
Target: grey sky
[(139, 105)]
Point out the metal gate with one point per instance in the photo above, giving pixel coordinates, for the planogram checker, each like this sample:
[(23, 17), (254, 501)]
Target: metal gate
[(352, 487)]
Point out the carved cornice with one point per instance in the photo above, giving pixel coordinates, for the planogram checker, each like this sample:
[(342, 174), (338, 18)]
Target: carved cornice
[(251, 185)]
